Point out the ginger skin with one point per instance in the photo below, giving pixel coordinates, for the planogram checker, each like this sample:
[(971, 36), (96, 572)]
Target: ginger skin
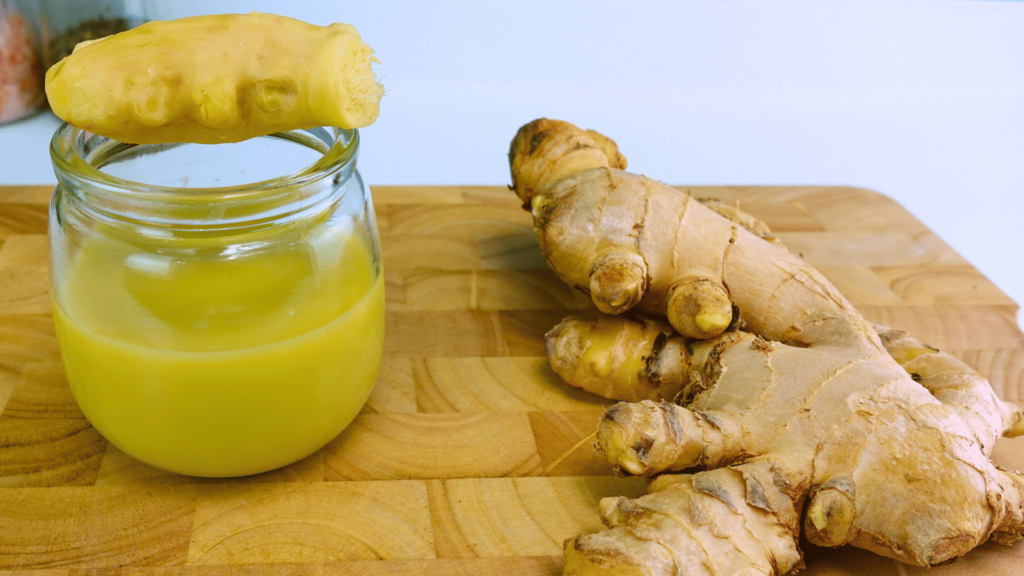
[(805, 419), (623, 244), (213, 79)]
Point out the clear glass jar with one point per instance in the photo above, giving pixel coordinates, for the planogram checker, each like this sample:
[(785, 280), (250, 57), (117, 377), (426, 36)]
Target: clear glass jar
[(65, 23), (208, 325)]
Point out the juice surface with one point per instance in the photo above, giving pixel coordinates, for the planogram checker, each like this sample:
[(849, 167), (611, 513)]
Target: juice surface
[(213, 364)]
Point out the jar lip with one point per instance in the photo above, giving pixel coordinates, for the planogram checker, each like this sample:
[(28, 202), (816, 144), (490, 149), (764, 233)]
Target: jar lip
[(69, 158)]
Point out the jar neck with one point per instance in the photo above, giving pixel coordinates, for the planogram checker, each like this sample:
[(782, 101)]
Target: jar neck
[(78, 158)]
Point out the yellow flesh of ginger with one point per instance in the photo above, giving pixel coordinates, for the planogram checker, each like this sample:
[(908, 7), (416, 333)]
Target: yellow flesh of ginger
[(213, 79)]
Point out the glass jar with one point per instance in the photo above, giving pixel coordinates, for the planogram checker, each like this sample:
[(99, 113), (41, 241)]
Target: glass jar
[(208, 325), (65, 23), (21, 69)]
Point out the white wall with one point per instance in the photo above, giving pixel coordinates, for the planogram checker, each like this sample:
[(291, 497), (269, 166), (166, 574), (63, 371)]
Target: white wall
[(921, 100)]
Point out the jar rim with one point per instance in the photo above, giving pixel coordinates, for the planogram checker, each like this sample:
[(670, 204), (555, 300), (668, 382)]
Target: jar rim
[(70, 159)]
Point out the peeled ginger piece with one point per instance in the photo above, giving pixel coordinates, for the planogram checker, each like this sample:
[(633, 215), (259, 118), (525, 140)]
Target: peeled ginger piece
[(212, 79)]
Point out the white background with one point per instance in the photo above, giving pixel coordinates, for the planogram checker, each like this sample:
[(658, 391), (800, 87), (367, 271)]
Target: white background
[(921, 100)]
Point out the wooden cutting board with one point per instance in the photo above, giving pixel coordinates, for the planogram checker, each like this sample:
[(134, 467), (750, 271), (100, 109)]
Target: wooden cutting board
[(470, 457)]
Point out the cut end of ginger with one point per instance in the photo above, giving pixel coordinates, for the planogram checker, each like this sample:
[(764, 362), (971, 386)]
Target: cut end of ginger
[(214, 79)]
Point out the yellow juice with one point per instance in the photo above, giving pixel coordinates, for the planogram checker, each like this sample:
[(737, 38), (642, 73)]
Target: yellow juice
[(213, 365)]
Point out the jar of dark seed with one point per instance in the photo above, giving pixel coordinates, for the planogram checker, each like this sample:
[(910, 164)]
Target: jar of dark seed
[(65, 23)]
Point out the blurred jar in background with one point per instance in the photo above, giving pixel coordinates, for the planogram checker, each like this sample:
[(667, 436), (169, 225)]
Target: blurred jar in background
[(65, 23), (21, 70)]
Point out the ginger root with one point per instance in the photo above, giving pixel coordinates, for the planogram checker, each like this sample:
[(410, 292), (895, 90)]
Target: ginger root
[(212, 79), (641, 360), (623, 244), (794, 416)]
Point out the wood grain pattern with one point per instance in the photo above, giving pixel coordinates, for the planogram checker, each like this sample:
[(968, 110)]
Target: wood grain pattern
[(444, 334), (871, 212), (942, 285), (491, 290), (23, 339), (567, 443), (50, 452), (516, 251), (95, 527), (42, 394), (953, 327), (45, 438), (120, 469), (292, 522), (860, 285), (400, 446), (394, 391), (26, 338), (526, 566), (521, 517), (24, 282), (411, 253), (470, 457), (519, 566), (871, 248), (18, 218), (469, 221), (494, 385), (39, 195)]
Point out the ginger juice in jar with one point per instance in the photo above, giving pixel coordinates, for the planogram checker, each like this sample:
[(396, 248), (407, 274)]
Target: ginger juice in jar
[(215, 317)]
